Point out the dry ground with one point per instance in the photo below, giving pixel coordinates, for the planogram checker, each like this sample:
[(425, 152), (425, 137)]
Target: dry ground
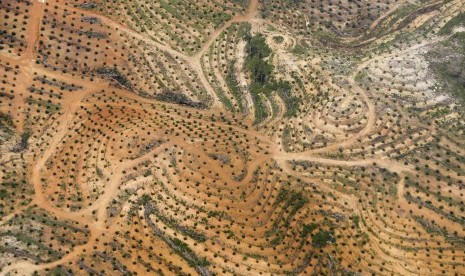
[(134, 139)]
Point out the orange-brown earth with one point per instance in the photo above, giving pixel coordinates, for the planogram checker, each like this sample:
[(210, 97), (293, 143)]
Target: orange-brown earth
[(133, 140)]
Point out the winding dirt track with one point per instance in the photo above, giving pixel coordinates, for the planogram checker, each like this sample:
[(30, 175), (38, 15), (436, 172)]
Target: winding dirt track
[(26, 62)]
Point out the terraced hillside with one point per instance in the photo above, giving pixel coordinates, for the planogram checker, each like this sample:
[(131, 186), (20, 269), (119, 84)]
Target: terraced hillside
[(237, 137)]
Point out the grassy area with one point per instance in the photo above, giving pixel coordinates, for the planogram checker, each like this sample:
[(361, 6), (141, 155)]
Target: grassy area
[(402, 12), (361, 75), (278, 39), (448, 67), (300, 48), (292, 103), (184, 249), (6, 123), (457, 21), (324, 37), (5, 120), (233, 86), (292, 200)]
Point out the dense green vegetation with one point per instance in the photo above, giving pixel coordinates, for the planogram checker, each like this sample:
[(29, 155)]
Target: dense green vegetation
[(263, 82), (307, 229), (25, 138), (260, 69), (322, 238)]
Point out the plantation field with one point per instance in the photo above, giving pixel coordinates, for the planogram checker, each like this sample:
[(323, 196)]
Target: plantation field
[(238, 137)]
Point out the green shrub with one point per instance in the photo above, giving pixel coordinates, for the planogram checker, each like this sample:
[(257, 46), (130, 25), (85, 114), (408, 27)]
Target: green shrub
[(322, 238), (263, 83), (307, 229)]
